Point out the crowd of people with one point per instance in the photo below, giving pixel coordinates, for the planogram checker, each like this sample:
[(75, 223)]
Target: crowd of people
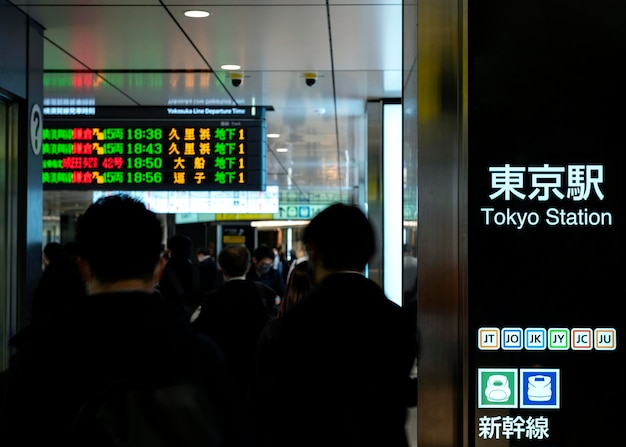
[(311, 355)]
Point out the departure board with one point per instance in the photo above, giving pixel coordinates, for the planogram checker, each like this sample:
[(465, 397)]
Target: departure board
[(154, 148)]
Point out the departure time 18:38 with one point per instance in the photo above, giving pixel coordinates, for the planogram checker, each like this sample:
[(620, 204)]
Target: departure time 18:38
[(150, 133)]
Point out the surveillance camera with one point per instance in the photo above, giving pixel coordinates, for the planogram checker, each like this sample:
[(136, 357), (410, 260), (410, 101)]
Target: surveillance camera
[(236, 79), (310, 79)]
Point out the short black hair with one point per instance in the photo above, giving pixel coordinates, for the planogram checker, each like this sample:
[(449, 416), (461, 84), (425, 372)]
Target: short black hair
[(234, 260), (263, 252), (181, 246), (343, 236), (119, 238), (53, 251), (203, 251)]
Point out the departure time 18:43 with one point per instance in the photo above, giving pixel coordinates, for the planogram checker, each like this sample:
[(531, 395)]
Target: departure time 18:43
[(140, 148)]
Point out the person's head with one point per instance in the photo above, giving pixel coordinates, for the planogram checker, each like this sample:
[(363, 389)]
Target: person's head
[(119, 239), (340, 237), (180, 247), (211, 248), (300, 283), (263, 258), (234, 260), (52, 252)]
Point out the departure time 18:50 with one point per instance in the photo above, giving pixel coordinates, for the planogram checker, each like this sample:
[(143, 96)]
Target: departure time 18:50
[(144, 163)]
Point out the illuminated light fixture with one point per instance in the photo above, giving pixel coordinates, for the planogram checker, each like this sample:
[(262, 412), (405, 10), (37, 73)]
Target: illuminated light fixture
[(230, 67), (197, 13), (282, 149), (279, 223), (273, 135)]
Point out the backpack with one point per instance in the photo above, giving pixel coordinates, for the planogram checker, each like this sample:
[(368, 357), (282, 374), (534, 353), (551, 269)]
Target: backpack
[(133, 413)]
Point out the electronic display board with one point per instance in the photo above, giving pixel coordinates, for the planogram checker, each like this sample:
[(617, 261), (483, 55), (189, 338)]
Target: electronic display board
[(546, 227), (154, 148)]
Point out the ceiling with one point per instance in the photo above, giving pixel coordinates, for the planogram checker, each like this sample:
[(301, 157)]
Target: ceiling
[(146, 52)]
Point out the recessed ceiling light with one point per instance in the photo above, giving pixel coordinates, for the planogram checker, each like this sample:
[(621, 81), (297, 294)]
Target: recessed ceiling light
[(282, 149), (196, 13), (230, 67), (273, 135)]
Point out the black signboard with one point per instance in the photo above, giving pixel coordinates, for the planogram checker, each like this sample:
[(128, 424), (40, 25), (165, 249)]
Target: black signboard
[(546, 223), (154, 148)]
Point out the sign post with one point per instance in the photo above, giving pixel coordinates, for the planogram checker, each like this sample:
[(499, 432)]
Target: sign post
[(546, 226)]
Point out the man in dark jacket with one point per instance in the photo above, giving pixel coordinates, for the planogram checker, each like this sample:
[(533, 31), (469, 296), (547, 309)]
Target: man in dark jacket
[(234, 315), (121, 331), (336, 367), (263, 270), (182, 279)]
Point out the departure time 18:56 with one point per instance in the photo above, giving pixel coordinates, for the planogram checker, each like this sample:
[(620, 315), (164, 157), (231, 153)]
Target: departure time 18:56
[(144, 177)]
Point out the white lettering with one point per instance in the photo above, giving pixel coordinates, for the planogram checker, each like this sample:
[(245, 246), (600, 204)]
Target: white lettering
[(510, 218), (507, 180), (582, 217), (174, 111), (516, 427), (547, 181)]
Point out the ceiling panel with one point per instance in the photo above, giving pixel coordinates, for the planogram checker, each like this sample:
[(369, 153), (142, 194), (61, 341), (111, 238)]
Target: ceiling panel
[(145, 52), (118, 37), (285, 38), (367, 37)]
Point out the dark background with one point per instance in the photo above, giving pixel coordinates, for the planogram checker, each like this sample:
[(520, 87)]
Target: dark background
[(546, 85)]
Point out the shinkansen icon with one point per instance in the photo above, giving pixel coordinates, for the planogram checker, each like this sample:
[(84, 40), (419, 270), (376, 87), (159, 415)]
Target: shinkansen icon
[(539, 388), (498, 389)]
